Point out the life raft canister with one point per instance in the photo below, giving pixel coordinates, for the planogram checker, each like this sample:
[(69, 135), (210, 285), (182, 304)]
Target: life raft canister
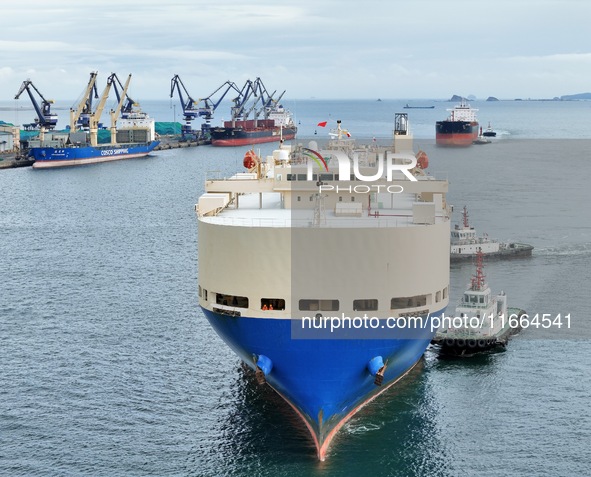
[(422, 159), (250, 159)]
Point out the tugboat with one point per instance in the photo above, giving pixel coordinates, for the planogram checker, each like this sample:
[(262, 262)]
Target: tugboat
[(465, 244), (489, 132), (481, 323)]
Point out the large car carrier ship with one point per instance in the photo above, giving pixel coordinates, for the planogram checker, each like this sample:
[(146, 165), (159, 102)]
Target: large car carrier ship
[(308, 238)]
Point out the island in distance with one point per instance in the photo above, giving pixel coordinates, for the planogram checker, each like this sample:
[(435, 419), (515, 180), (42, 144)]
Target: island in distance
[(567, 97)]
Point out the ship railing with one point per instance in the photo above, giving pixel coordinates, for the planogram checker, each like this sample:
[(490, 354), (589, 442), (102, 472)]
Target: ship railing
[(309, 222), (466, 333), (472, 304)]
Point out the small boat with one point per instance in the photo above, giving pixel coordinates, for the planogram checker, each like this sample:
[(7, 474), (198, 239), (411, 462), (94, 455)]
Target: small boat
[(488, 132), (482, 322), (466, 245)]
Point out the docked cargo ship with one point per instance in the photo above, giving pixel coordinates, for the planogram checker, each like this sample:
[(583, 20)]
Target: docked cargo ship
[(133, 137), (459, 129), (59, 151), (278, 126), (302, 238)]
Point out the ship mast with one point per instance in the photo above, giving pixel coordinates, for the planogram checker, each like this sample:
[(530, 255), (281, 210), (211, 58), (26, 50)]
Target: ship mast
[(465, 218), (478, 281)]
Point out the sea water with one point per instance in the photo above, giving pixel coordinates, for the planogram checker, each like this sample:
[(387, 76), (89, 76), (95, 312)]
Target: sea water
[(108, 366)]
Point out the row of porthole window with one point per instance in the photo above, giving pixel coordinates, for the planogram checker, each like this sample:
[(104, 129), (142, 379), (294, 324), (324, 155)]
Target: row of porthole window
[(365, 304)]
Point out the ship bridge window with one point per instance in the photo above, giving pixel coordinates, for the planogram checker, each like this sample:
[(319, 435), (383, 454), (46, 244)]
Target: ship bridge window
[(302, 177), (319, 305), (365, 305), (437, 297), (292, 177), (408, 302), (326, 177), (231, 300), (272, 304)]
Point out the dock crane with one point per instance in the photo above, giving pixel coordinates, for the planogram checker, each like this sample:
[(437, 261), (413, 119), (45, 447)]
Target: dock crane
[(202, 108), (96, 115), (120, 97), (45, 118), (240, 102), (210, 105), (84, 106), (127, 108), (188, 105), (269, 103)]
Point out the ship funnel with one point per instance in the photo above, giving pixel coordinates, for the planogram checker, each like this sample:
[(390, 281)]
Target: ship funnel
[(402, 135)]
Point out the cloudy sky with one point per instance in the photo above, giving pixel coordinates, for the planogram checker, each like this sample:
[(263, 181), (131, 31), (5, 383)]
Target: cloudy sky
[(312, 48)]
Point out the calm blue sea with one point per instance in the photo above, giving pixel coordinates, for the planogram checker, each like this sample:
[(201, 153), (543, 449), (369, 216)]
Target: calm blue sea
[(109, 368)]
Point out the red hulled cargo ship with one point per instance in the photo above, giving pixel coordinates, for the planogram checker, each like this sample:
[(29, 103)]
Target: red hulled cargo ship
[(276, 122), (245, 133), (459, 129)]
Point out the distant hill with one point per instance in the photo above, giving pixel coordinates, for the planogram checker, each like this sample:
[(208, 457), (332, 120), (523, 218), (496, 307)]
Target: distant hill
[(456, 98), (575, 97), (492, 98)]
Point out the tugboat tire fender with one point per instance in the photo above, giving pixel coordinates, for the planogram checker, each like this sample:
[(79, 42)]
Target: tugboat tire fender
[(471, 343)]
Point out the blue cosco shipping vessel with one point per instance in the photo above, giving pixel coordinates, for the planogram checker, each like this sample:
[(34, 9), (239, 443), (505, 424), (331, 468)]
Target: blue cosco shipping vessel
[(73, 156)]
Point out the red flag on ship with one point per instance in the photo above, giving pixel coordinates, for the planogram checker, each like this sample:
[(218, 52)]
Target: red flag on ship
[(323, 124)]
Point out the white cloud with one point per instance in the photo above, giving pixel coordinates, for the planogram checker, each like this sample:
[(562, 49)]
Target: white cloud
[(424, 48)]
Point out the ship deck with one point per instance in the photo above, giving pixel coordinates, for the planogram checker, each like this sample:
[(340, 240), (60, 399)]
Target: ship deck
[(263, 204)]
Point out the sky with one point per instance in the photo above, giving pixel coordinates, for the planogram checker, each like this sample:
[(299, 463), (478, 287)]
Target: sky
[(311, 48)]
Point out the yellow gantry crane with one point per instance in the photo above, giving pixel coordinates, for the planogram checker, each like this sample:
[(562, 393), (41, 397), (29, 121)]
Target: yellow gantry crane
[(96, 116), (84, 102)]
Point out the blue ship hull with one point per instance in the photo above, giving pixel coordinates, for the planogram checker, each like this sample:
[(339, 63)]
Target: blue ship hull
[(79, 155), (325, 380)]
